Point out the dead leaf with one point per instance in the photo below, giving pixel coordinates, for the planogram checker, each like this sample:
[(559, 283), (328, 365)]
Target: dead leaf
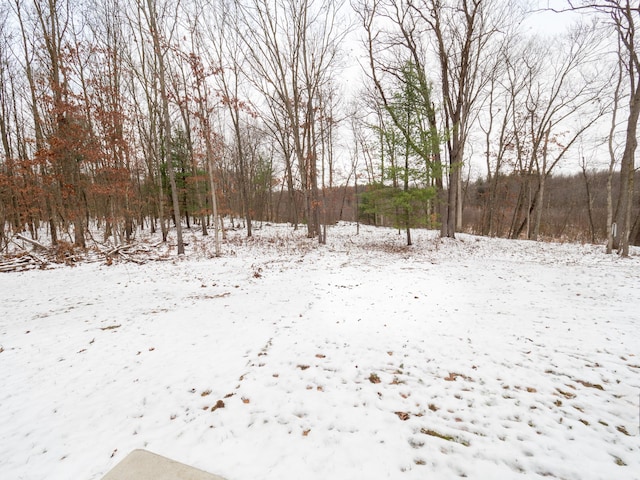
[(590, 385), (622, 429), (453, 376), (305, 432), (110, 327), (245, 400), (219, 404), (402, 415)]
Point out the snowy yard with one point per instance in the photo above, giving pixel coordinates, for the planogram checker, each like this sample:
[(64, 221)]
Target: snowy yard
[(363, 359)]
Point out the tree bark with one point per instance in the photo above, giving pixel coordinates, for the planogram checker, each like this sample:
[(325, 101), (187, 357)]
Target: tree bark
[(166, 119)]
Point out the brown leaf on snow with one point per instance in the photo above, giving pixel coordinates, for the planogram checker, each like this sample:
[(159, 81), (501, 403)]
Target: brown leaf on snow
[(568, 395), (219, 404), (402, 415), (453, 376), (110, 327), (374, 378), (302, 367), (590, 385), (622, 429), (305, 432), (245, 400), (319, 355)]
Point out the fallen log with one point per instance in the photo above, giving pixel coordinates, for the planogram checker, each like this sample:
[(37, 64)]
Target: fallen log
[(16, 263), (32, 242)]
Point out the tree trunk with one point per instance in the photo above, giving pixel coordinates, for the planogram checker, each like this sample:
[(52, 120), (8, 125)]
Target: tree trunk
[(166, 137), (627, 169), (587, 184)]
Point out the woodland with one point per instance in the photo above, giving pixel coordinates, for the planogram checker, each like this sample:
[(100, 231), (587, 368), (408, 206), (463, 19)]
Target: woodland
[(457, 115)]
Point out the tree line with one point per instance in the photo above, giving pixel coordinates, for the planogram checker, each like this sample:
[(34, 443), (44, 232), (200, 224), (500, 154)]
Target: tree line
[(166, 114)]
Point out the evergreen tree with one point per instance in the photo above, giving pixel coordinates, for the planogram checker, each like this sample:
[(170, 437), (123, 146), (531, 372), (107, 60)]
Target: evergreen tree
[(407, 144)]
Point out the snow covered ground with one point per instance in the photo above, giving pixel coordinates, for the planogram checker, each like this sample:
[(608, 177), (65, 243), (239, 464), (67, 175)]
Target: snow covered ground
[(363, 359)]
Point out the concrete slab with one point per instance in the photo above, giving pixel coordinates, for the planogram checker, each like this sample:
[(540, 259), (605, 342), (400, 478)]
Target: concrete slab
[(144, 465)]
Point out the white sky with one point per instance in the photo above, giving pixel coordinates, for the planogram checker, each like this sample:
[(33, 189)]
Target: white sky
[(547, 22)]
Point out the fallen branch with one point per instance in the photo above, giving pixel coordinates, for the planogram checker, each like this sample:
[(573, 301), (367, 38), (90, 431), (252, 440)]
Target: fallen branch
[(16, 263), (32, 242), (130, 259), (41, 261)]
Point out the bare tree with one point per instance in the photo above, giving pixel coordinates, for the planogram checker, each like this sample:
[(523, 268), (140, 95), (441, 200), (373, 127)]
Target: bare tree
[(103, 53), (160, 41), (460, 34), (9, 214), (611, 234), (225, 54), (293, 47), (498, 123), (205, 107), (623, 16), (569, 89), (462, 31)]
